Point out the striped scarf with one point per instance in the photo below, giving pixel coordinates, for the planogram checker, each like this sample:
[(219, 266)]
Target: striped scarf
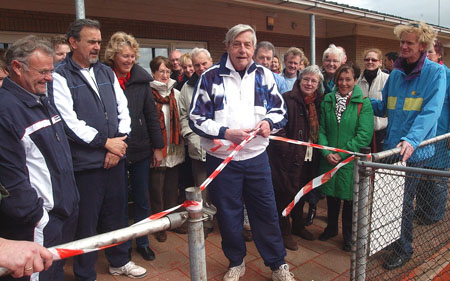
[(341, 105)]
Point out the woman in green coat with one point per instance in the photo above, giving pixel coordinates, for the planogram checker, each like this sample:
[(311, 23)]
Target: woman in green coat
[(346, 122)]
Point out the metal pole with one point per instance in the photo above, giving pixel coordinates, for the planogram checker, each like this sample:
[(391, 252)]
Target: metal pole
[(363, 219), (79, 9), (354, 216), (312, 38), (196, 237)]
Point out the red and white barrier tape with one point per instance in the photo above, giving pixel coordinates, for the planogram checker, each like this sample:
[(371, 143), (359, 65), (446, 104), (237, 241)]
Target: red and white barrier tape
[(227, 160), (314, 183), (312, 145), (66, 253)]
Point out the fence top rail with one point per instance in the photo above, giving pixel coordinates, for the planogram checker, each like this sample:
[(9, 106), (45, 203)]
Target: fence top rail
[(383, 154), (431, 172)]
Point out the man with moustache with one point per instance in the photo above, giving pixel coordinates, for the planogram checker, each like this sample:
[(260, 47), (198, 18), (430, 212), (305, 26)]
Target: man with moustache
[(230, 100), (94, 108)]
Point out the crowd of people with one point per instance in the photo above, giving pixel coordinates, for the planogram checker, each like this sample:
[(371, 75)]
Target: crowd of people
[(79, 134)]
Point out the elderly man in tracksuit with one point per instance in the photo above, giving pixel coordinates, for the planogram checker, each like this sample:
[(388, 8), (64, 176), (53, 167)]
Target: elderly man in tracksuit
[(231, 99), (94, 107), (35, 161), (412, 100)]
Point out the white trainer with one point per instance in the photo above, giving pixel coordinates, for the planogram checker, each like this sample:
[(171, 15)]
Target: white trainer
[(235, 272), (130, 270), (283, 274)]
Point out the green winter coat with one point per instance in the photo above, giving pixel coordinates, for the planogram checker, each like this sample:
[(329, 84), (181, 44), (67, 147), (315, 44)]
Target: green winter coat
[(351, 134)]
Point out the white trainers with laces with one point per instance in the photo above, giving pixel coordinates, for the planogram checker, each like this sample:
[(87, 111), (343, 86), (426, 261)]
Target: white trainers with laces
[(283, 274), (235, 272), (130, 270)]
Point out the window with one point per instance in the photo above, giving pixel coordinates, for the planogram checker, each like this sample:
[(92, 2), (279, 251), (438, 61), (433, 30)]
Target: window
[(150, 48)]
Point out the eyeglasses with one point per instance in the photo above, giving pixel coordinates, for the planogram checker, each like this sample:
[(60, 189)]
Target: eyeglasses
[(43, 72), (312, 81), (416, 25), (371, 59), (162, 72)]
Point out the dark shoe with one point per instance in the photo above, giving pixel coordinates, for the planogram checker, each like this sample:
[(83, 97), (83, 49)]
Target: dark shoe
[(311, 215), (327, 235), (289, 243), (206, 231), (247, 233), (347, 247), (303, 233), (161, 236), (396, 260), (146, 253)]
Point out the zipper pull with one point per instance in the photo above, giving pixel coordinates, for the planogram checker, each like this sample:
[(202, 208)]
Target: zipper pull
[(106, 115)]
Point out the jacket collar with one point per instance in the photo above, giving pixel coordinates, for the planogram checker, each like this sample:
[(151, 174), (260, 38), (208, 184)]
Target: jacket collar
[(23, 95), (139, 75), (193, 80), (357, 95), (225, 66), (416, 71), (163, 88)]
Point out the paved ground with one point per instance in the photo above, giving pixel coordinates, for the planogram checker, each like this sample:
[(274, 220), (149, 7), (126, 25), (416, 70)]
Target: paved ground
[(315, 260)]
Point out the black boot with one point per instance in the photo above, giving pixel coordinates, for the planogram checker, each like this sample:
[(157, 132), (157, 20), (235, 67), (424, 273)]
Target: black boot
[(311, 214)]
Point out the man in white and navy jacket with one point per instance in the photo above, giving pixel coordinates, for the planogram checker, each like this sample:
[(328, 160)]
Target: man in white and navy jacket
[(230, 100), (35, 161), (94, 107)]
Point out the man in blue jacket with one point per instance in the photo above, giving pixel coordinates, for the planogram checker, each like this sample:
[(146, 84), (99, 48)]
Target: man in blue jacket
[(35, 162), (94, 108), (412, 100)]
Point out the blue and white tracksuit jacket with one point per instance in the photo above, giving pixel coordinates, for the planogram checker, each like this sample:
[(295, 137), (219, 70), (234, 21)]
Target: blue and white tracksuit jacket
[(35, 163), (413, 105), (223, 100)]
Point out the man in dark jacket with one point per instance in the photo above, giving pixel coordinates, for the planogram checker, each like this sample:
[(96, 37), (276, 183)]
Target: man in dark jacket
[(35, 163), (92, 104)]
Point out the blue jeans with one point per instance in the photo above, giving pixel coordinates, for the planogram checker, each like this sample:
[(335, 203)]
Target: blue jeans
[(250, 180), (139, 178), (431, 198), (404, 244)]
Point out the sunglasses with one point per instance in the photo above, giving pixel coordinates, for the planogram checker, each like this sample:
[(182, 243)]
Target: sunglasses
[(370, 59)]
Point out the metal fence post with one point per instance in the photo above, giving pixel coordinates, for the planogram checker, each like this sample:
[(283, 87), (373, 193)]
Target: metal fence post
[(363, 219), (196, 237), (354, 216)]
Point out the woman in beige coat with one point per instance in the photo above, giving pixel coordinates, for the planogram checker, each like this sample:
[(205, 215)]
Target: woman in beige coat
[(372, 82)]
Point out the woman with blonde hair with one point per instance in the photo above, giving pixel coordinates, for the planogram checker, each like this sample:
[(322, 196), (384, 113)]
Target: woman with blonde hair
[(372, 82), (145, 142)]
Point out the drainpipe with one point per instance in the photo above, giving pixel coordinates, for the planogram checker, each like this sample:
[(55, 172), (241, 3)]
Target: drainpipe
[(79, 9), (312, 38)]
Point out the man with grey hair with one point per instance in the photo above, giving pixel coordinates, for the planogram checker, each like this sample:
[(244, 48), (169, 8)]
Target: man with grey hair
[(264, 55), (201, 60), (35, 162), (291, 70), (231, 100), (94, 108)]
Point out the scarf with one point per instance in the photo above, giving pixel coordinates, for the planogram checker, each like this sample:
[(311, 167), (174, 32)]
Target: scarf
[(341, 105), (313, 119), (175, 127), (123, 80)]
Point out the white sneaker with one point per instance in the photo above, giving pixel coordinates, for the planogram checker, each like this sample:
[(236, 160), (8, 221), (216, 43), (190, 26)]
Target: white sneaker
[(235, 272), (130, 270), (283, 274)]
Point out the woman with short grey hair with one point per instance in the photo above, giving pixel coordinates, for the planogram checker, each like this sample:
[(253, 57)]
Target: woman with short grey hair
[(292, 165), (331, 60)]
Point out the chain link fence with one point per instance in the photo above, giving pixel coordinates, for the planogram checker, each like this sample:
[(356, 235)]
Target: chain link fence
[(402, 210)]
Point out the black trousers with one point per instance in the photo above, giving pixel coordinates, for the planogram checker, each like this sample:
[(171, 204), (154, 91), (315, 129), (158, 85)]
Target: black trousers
[(334, 207)]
